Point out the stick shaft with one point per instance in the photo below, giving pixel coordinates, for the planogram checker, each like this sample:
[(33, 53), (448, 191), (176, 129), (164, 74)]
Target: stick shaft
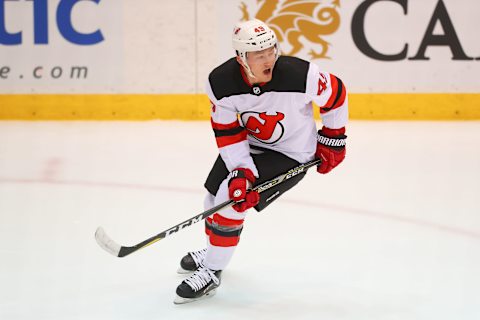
[(106, 243)]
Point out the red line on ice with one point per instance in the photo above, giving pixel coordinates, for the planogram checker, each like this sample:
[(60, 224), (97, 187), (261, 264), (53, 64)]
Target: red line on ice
[(373, 214)]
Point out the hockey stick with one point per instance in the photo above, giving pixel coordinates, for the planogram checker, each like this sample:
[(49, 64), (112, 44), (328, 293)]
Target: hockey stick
[(117, 250)]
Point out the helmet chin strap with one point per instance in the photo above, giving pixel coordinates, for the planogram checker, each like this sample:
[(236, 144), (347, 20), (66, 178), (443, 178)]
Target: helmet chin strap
[(249, 71), (247, 67)]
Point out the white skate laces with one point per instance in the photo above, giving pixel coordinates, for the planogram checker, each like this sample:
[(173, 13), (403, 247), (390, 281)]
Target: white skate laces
[(198, 256), (200, 278)]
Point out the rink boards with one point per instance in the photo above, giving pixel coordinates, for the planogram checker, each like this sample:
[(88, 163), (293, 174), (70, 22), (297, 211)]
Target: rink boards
[(196, 107), (104, 60)]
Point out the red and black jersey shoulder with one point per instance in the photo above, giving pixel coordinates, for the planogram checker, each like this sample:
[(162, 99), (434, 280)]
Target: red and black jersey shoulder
[(289, 75), (226, 80)]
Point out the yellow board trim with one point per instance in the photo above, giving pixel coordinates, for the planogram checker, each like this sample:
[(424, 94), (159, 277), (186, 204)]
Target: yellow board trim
[(104, 107), (461, 106), (196, 107)]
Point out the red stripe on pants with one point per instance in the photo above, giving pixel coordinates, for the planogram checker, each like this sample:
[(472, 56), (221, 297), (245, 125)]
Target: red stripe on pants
[(222, 240)]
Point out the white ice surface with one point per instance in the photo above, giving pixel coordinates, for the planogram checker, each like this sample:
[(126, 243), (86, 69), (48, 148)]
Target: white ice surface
[(393, 233)]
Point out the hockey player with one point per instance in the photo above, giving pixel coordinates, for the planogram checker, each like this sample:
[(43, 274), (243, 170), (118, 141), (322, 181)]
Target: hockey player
[(262, 118)]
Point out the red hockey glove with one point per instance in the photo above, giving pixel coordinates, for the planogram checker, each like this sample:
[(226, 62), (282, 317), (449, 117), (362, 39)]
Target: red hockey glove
[(237, 189), (330, 148)]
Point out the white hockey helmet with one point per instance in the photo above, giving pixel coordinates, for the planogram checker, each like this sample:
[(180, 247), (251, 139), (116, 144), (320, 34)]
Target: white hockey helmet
[(253, 35)]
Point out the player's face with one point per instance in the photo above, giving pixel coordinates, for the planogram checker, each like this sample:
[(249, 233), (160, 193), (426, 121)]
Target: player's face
[(261, 64)]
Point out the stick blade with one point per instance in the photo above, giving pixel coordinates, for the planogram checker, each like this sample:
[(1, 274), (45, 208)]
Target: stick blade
[(106, 243)]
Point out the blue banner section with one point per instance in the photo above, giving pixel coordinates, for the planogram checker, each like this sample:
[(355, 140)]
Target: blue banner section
[(40, 16)]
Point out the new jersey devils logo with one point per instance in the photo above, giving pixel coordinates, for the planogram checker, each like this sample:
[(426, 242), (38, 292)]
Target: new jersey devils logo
[(264, 127)]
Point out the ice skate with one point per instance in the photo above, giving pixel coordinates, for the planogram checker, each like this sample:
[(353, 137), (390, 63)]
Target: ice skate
[(201, 284), (192, 261)]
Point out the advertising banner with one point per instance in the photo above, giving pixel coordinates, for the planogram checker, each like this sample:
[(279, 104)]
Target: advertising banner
[(376, 46), (60, 46), (149, 59)]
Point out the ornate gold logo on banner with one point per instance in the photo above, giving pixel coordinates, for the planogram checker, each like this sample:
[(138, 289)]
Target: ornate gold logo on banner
[(293, 19)]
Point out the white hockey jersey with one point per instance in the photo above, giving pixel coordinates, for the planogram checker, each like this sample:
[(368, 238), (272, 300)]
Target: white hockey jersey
[(277, 115)]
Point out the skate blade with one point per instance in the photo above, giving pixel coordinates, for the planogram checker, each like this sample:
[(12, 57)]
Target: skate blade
[(183, 271), (180, 300)]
